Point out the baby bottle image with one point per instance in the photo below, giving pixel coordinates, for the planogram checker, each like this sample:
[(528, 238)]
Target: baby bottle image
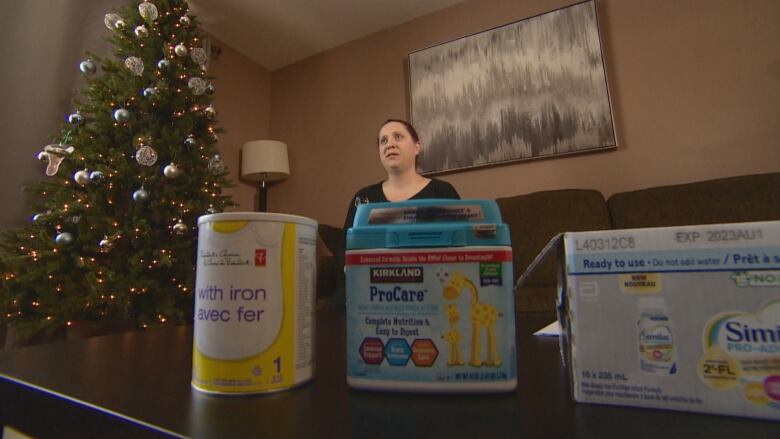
[(656, 340)]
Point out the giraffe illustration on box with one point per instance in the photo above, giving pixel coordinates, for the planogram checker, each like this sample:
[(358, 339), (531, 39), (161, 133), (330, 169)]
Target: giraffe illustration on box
[(483, 315), (452, 335)]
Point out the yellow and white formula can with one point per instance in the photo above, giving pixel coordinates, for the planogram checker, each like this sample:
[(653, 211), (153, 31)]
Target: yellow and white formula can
[(254, 302)]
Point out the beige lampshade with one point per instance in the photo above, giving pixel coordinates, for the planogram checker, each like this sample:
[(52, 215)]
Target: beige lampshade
[(264, 159)]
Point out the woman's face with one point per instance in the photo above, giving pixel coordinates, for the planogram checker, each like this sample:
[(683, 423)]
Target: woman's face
[(397, 148)]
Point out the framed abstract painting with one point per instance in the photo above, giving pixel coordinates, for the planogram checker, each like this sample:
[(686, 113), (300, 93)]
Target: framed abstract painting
[(531, 89)]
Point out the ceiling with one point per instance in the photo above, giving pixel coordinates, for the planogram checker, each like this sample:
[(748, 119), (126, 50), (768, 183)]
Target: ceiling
[(275, 33)]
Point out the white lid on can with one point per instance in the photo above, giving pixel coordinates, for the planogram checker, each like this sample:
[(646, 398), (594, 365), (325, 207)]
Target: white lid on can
[(257, 216)]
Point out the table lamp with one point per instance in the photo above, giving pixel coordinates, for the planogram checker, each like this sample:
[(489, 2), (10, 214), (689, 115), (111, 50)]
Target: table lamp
[(264, 161)]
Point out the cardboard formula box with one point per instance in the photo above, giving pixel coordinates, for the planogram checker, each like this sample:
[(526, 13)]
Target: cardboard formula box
[(679, 318)]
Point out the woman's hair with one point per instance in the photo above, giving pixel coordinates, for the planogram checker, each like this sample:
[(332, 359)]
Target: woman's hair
[(407, 125)]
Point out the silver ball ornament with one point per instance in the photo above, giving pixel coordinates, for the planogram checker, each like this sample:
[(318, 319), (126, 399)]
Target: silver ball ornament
[(64, 238), (181, 50), (211, 210), (163, 64), (119, 24), (180, 228), (76, 119), (105, 245), (81, 177), (184, 20), (96, 176), (39, 218), (150, 91), (121, 115), (210, 89), (141, 31), (190, 143), (172, 171), (216, 166), (210, 112), (87, 67), (140, 195)]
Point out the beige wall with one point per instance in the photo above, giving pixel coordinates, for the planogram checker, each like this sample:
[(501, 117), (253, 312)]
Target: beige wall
[(242, 100), (695, 87)]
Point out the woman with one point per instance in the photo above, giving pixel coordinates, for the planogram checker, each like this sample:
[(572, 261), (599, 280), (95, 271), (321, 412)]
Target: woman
[(399, 146)]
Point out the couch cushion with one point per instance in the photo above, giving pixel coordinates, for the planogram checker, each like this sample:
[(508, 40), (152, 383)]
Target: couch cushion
[(535, 218), (724, 200)]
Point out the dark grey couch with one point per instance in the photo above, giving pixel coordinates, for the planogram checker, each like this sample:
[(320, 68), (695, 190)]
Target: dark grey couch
[(533, 219)]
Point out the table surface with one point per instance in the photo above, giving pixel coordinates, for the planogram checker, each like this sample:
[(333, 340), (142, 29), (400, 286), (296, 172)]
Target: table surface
[(143, 379)]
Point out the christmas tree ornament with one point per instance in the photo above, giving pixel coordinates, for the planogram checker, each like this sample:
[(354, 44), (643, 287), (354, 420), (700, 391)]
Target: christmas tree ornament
[(150, 91), (190, 143), (75, 219), (64, 238), (75, 118), (180, 50), (210, 112), (210, 89), (197, 85), (135, 65), (163, 64), (172, 171), (96, 176), (105, 245), (110, 20), (119, 24), (211, 210), (141, 31), (121, 115), (54, 154), (216, 166), (184, 20), (39, 218), (148, 11), (199, 56), (146, 155), (87, 67), (180, 228), (81, 177), (140, 195)]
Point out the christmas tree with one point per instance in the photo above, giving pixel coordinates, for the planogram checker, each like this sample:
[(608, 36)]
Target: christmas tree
[(113, 232)]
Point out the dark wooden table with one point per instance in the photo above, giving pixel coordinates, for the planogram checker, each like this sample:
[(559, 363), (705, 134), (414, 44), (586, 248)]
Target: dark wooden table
[(138, 384)]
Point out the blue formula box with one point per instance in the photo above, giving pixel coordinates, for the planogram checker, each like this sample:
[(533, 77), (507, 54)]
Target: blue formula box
[(430, 304)]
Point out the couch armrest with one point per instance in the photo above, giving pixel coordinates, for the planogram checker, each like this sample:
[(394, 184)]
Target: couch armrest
[(330, 268), (326, 281), (535, 299)]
